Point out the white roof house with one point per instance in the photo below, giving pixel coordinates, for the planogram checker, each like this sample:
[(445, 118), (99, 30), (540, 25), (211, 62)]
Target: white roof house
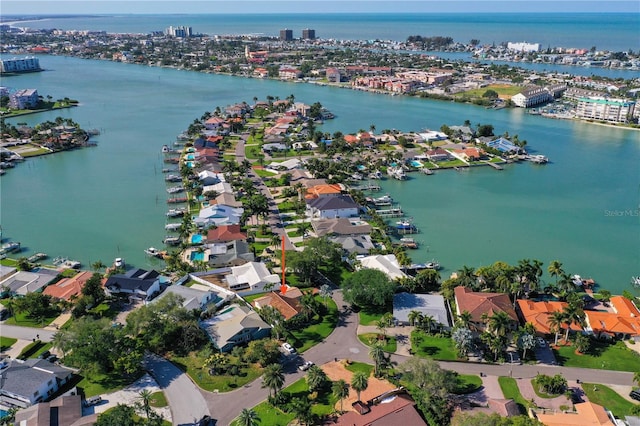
[(427, 304), (252, 277), (386, 263), (219, 214), (220, 188)]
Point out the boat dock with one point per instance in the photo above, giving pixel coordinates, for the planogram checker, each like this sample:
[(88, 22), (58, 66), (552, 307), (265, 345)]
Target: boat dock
[(393, 212), (369, 187), (176, 200), (495, 166)]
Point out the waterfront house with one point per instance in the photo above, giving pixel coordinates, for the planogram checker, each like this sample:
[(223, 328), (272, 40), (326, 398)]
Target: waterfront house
[(226, 199), (438, 154), (250, 278), (386, 263), (214, 123), (24, 282), (622, 323), (218, 214), (538, 313), (287, 303), (332, 207), (68, 288), (504, 145), (207, 178), (25, 383), (483, 305), (235, 325), (432, 136), (220, 188), (137, 284), (340, 226), (432, 305), (226, 233), (232, 253), (358, 244)]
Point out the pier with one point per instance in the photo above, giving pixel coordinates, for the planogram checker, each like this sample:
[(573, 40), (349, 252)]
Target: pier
[(495, 166), (393, 212), (369, 187)]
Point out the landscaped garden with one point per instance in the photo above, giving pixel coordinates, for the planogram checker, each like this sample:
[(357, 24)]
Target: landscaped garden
[(319, 328), (510, 390), (389, 342), (601, 355)]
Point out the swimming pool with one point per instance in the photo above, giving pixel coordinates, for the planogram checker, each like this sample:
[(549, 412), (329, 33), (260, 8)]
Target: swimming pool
[(196, 239), (190, 157), (416, 163), (191, 164), (195, 255), (3, 413)]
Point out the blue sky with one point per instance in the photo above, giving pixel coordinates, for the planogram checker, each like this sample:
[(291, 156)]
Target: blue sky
[(41, 7)]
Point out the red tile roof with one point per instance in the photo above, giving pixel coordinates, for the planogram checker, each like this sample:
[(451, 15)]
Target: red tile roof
[(68, 287), (288, 304), (538, 313), (226, 233), (398, 411), (478, 303)]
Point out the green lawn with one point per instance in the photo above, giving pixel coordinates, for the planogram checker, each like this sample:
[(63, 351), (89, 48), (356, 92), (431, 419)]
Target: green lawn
[(608, 398), (97, 384), (315, 333), (23, 320), (368, 317), (440, 348), (193, 365), (32, 350), (451, 163), (6, 342), (390, 345), (467, 383), (500, 89), (510, 390), (354, 367), (601, 356), (158, 400), (263, 173)]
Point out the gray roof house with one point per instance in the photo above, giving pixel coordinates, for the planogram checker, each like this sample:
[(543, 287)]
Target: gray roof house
[(195, 297), (137, 283), (332, 207), (65, 410), (25, 383), (232, 253), (359, 244), (427, 304), (24, 282), (235, 325), (340, 226)]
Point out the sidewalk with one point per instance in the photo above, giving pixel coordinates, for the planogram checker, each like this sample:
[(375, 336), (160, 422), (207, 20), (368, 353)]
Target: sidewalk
[(16, 348), (58, 322)]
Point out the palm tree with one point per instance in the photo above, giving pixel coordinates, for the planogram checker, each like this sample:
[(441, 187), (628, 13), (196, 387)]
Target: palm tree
[(316, 378), (145, 400), (572, 315), (248, 417), (273, 378), (360, 382), (301, 408), (382, 326), (499, 324), (376, 353), (464, 319), (467, 277), (414, 316), (427, 323), (555, 321), (340, 390), (555, 269)]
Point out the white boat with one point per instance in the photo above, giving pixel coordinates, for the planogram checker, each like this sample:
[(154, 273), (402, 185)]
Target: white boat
[(432, 265), (118, 262), (166, 149), (427, 171), (172, 226), (71, 264), (10, 247), (176, 212), (173, 178), (375, 175), (385, 200), (635, 281), (175, 189), (409, 243), (537, 159), (396, 172), (154, 252), (172, 241)]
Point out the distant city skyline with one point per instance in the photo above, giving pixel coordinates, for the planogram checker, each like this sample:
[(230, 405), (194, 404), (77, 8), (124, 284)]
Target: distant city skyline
[(54, 7)]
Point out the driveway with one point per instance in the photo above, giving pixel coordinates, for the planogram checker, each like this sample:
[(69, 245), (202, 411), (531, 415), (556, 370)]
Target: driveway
[(187, 403)]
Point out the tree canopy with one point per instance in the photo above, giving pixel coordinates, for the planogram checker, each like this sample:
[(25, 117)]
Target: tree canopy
[(368, 288)]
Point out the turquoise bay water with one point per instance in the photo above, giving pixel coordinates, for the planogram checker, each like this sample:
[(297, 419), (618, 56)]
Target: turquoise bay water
[(612, 31), (109, 201)]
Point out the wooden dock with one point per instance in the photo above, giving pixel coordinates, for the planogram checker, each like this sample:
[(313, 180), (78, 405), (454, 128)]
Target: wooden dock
[(393, 212), (495, 166)]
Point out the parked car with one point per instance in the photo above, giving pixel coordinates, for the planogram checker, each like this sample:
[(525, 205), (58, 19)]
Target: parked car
[(288, 348), (635, 395), (44, 355), (305, 366), (92, 401)]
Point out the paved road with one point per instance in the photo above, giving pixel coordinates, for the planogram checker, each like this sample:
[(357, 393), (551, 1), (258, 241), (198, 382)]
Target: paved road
[(184, 397), (26, 333)]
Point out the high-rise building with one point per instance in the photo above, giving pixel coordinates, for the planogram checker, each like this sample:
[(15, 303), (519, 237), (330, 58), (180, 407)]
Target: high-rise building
[(179, 31), (286, 35), (308, 34)]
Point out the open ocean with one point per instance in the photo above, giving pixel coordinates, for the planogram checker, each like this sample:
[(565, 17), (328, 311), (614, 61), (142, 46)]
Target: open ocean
[(109, 201), (613, 31)]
